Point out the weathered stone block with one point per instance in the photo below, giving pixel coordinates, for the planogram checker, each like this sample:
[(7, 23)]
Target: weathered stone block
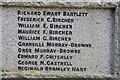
[(54, 40)]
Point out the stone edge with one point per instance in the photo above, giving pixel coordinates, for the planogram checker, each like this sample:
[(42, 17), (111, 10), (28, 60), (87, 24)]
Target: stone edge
[(117, 42), (62, 4), (0, 41)]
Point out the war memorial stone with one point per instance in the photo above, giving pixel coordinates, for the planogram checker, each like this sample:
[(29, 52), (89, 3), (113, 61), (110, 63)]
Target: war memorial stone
[(54, 40)]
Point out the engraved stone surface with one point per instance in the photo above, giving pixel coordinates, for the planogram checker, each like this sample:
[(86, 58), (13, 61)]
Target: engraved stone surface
[(69, 39), (58, 41)]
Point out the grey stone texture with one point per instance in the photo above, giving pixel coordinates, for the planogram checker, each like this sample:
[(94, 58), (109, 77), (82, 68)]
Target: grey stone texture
[(119, 41), (115, 53)]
